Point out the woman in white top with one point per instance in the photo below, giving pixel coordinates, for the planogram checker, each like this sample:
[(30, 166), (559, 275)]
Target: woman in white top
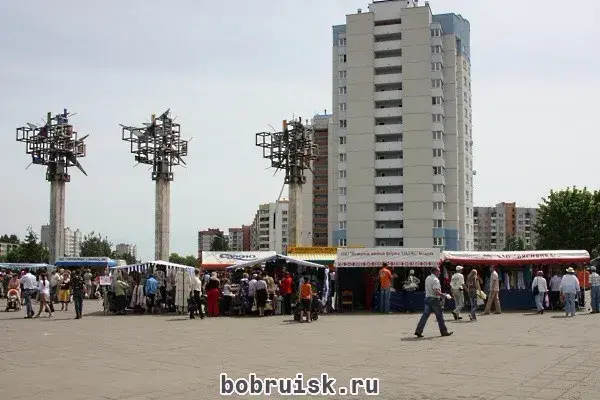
[(540, 283), (44, 293)]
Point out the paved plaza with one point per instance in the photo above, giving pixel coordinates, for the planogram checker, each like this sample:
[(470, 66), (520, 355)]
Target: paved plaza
[(509, 356)]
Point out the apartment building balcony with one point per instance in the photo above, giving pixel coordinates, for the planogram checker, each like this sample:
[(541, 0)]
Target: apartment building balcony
[(387, 62), (389, 163), (437, 75), (388, 146), (437, 57), (388, 95), (389, 129), (437, 41), (439, 144), (438, 109), (388, 112), (384, 79), (388, 181), (438, 162), (388, 45), (439, 214), (387, 29), (439, 180), (389, 198), (389, 215), (388, 233), (437, 196), (437, 92), (437, 126)]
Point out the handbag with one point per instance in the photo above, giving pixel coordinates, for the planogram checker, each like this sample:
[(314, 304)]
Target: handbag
[(410, 286), (254, 307), (536, 289), (481, 294)]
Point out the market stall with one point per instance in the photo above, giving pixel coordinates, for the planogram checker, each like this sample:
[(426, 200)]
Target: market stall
[(516, 270), (220, 260), (318, 255), (180, 276), (85, 262), (21, 266), (357, 275)]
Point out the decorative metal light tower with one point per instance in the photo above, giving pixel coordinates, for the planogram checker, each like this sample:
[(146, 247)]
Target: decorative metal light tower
[(56, 145), (291, 150), (159, 144)]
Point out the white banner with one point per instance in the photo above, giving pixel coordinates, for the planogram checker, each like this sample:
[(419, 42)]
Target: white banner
[(392, 256), (226, 258), (517, 257), (83, 259)]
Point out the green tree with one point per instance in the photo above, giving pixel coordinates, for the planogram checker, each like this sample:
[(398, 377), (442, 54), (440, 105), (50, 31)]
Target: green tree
[(95, 245), (514, 243), (188, 260), (12, 239), (569, 219), (29, 251), (219, 243)]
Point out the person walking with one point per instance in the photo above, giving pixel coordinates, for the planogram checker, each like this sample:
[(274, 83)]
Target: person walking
[(539, 287), (555, 290), (433, 295), (44, 295), (457, 284), (120, 300), (30, 285), (494, 296), (150, 289), (569, 289), (197, 286), (595, 283), (473, 288), (286, 291), (78, 285), (385, 284)]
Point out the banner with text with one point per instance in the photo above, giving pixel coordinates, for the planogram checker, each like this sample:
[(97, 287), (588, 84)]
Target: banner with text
[(226, 258), (393, 257), (517, 257)]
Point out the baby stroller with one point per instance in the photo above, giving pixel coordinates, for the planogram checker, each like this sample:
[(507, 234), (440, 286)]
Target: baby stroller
[(316, 307), (12, 300)]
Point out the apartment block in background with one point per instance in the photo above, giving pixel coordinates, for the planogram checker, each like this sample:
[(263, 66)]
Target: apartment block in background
[(125, 248), (400, 154), (205, 239), (269, 229), (236, 239), (493, 225), (73, 239), (321, 126)]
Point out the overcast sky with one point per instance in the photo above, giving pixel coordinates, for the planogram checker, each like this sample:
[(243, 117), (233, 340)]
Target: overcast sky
[(227, 69)]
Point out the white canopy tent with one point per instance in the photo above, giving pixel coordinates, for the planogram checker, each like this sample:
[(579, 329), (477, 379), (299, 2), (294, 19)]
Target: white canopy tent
[(275, 257)]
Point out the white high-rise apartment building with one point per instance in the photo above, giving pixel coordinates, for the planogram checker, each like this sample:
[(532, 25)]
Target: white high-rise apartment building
[(125, 248), (269, 230), (73, 239), (400, 156)]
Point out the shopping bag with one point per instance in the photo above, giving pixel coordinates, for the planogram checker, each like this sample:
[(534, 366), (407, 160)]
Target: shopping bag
[(254, 307), (481, 295), (546, 300), (480, 301)]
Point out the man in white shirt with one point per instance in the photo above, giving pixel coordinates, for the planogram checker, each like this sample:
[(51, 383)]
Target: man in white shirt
[(595, 284), (197, 288), (29, 287), (433, 294), (569, 288), (457, 284), (494, 296), (539, 283), (555, 291)]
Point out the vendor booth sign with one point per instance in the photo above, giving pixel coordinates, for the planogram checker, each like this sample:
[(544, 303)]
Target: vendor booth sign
[(312, 250), (223, 259), (517, 257), (393, 257)]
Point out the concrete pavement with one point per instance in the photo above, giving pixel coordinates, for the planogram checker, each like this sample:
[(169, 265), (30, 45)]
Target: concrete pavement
[(501, 357)]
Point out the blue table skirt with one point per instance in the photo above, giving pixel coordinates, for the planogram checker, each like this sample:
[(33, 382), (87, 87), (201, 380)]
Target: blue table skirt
[(406, 301)]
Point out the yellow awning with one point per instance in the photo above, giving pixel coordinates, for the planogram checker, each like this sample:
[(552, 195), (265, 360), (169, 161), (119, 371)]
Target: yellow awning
[(314, 257)]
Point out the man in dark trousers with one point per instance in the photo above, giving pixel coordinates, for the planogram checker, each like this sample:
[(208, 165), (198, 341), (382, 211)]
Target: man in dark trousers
[(78, 285), (433, 295)]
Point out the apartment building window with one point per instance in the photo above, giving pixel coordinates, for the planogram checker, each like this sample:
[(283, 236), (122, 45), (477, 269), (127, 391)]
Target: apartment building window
[(438, 188), (342, 242), (341, 74), (438, 205), (436, 66), (342, 191), (438, 223), (435, 32), (436, 83), (438, 153), (436, 49), (343, 174), (465, 80), (438, 241), (438, 135), (342, 224), (342, 106), (342, 139), (342, 58), (343, 123), (342, 208), (342, 90), (467, 194), (342, 157), (437, 118), (438, 170), (342, 41), (436, 101)]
